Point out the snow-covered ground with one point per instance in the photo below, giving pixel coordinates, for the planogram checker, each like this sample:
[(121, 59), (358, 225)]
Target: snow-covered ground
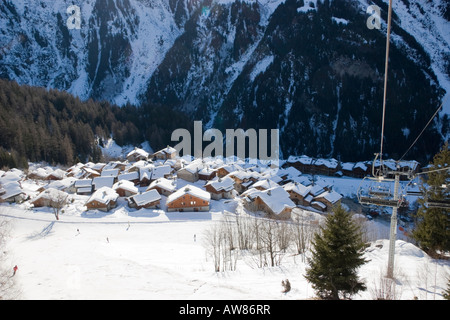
[(151, 254)]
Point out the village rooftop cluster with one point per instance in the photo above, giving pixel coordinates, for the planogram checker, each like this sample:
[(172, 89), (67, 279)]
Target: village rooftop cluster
[(162, 180)]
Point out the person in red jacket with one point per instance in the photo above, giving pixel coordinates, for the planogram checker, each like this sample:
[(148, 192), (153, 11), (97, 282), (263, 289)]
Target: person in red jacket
[(15, 270)]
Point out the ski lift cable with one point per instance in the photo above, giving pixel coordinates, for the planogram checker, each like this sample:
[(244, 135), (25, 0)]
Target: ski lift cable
[(386, 76), (426, 172), (426, 126)]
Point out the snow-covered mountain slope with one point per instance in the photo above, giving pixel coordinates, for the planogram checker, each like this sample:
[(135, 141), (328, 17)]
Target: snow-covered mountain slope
[(311, 69), (428, 22), (110, 57)]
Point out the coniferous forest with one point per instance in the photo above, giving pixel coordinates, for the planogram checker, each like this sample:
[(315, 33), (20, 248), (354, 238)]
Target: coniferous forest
[(53, 126)]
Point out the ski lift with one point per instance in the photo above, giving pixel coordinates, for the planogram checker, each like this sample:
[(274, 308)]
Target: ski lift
[(413, 189), (439, 203), (378, 193)]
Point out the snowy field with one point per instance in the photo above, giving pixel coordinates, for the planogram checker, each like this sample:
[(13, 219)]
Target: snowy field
[(155, 255)]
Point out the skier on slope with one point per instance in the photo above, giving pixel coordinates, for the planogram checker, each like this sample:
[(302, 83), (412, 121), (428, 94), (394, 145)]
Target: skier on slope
[(15, 270)]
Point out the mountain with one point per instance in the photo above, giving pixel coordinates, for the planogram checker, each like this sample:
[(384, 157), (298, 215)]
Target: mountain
[(110, 57), (312, 69)]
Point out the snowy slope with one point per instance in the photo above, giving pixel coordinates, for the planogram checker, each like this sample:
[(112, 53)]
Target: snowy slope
[(153, 254), (144, 255)]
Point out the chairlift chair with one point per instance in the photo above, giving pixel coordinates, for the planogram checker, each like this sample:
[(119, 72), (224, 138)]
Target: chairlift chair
[(378, 193)]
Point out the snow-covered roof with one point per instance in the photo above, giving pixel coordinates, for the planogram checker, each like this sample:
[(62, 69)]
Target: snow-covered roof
[(168, 150), (329, 163), (58, 173), (110, 173), (100, 182), (40, 172), (297, 188), (138, 152), (146, 197), (83, 183), (315, 190), (12, 189), (290, 172), (51, 194), (360, 165), (125, 185), (331, 196), (243, 174), (111, 165), (104, 195), (347, 166), (320, 204), (163, 183), (194, 166), (302, 159), (62, 184), (89, 170), (191, 190), (277, 199), (222, 184), (160, 171), (134, 175), (265, 184)]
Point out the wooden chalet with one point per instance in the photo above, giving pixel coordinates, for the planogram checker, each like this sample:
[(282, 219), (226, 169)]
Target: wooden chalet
[(137, 154), (103, 199), (298, 193), (165, 154), (329, 198), (163, 186), (190, 172), (188, 198), (275, 202), (83, 186), (220, 188), (50, 198), (125, 188)]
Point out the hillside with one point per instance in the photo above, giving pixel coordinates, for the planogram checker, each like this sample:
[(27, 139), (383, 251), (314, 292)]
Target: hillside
[(53, 126)]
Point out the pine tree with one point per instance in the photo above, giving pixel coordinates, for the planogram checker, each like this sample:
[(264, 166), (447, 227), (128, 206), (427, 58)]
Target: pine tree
[(432, 230), (337, 254)]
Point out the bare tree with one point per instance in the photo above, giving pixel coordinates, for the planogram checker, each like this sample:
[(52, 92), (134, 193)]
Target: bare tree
[(384, 288), (57, 203), (212, 239), (219, 243), (303, 231)]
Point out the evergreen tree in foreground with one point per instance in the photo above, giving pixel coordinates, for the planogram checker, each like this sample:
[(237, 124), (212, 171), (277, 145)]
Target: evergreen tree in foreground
[(432, 231), (336, 256)]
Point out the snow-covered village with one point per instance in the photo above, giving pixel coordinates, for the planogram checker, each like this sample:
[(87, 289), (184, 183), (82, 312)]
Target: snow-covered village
[(144, 227)]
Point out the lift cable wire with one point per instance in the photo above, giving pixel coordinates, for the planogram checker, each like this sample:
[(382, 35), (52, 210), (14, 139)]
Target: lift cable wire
[(426, 172), (426, 126), (386, 77)]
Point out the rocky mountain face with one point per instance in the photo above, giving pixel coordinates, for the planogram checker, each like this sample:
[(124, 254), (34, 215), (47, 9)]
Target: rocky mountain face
[(311, 68)]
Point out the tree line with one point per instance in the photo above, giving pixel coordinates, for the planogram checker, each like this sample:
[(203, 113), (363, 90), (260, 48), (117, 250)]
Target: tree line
[(53, 126)]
